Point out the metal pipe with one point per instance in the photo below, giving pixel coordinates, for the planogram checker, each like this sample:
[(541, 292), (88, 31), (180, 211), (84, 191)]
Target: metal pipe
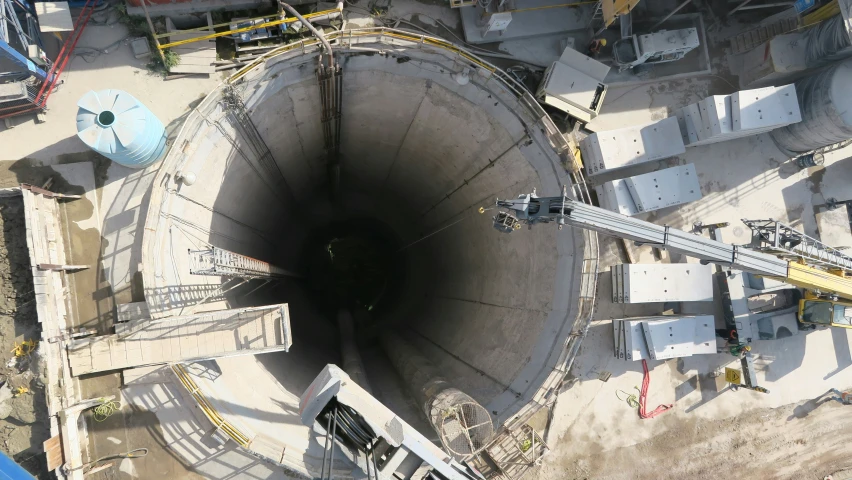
[(329, 94), (313, 30), (352, 363), (739, 7), (767, 5), (685, 3)]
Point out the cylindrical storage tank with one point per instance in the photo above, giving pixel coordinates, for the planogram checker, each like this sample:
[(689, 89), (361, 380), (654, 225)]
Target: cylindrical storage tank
[(826, 106), (119, 127)]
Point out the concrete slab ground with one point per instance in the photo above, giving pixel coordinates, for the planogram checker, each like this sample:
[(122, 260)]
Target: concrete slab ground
[(163, 418), (168, 100), (745, 178), (106, 217)]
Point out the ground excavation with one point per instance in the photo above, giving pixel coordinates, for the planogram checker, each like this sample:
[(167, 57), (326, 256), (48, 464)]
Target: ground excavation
[(444, 234), (24, 423)]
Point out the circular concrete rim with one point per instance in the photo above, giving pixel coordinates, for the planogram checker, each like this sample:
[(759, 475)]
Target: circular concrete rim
[(384, 41)]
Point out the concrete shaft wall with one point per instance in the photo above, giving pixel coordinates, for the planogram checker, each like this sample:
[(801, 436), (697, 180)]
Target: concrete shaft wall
[(420, 151)]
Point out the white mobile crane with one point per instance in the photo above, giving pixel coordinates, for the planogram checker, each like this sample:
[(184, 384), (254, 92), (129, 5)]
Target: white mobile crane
[(777, 251)]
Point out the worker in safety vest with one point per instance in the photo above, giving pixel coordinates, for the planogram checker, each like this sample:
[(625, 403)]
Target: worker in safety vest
[(740, 350), (595, 46), (843, 397)]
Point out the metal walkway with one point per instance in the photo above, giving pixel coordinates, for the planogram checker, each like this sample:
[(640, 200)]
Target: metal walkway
[(226, 333), (784, 241)]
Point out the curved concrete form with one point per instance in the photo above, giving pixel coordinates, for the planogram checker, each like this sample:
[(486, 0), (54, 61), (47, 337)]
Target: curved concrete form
[(429, 134)]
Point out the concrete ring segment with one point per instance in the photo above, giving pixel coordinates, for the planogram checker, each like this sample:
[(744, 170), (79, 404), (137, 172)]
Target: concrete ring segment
[(419, 154)]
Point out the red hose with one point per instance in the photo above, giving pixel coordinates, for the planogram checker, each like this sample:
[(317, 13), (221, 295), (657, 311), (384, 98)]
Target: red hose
[(643, 394)]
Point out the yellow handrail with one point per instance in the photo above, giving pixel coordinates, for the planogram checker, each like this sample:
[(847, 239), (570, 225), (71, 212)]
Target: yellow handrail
[(520, 91), (823, 13), (239, 30), (360, 33)]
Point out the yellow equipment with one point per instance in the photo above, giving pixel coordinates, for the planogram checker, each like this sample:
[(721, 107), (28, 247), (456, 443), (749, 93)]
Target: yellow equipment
[(827, 313), (325, 14), (24, 348)]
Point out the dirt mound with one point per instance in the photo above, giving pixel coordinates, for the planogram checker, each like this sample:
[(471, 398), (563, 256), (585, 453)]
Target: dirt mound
[(24, 424)]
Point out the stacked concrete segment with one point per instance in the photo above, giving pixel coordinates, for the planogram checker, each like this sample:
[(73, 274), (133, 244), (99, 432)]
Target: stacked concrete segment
[(663, 337), (623, 147), (748, 112), (615, 196), (650, 191), (662, 282)]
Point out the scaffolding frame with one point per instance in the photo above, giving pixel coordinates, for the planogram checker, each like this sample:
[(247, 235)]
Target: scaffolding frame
[(784, 241)]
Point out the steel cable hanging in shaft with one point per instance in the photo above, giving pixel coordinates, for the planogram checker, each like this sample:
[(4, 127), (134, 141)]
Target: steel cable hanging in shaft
[(331, 91), (235, 105), (356, 431)]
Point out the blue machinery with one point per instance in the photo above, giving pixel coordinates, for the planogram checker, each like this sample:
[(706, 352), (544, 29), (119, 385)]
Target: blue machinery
[(20, 42)]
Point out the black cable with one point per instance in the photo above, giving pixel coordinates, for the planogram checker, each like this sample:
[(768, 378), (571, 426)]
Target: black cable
[(353, 429)]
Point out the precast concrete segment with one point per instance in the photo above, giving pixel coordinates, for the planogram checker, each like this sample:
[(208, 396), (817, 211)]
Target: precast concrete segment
[(183, 339)]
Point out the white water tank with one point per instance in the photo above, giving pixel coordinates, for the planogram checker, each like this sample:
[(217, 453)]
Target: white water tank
[(119, 127)]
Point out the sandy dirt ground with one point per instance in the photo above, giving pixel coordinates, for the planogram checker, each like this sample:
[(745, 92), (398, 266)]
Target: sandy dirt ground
[(809, 440), (23, 418)]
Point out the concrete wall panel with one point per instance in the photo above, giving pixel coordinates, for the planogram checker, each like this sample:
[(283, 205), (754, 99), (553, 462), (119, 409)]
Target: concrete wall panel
[(383, 114)]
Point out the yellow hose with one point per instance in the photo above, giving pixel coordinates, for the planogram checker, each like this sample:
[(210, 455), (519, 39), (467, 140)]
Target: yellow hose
[(209, 411)]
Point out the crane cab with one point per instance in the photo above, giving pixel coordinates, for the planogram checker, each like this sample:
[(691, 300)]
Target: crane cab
[(827, 313)]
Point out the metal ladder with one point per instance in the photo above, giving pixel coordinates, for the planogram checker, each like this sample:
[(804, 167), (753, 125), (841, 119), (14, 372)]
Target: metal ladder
[(223, 263), (749, 39), (784, 241), (597, 14)]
